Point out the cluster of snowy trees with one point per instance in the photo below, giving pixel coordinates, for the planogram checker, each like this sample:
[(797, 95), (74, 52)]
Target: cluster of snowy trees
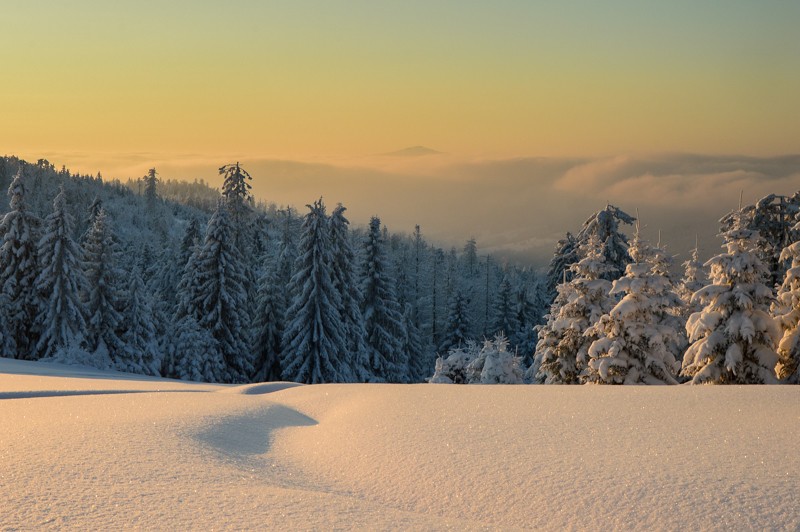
[(620, 317), (116, 276)]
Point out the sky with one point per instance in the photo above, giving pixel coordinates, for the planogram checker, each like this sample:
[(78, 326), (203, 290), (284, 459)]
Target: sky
[(527, 101)]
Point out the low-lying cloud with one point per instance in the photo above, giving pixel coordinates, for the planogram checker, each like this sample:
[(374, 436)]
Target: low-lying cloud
[(514, 207)]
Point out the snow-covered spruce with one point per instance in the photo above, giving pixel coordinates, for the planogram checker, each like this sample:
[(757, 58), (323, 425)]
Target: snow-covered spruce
[(452, 368), (491, 363), (495, 364), (733, 338), (383, 319), (19, 268), (344, 282), (694, 278), (140, 352), (506, 319), (105, 297), (197, 356), (457, 326), (270, 317), (562, 350), (638, 341), (787, 311), (314, 338), (220, 299), (61, 320)]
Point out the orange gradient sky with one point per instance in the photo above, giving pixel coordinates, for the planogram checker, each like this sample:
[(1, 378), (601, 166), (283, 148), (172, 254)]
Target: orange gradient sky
[(543, 110), (478, 79)]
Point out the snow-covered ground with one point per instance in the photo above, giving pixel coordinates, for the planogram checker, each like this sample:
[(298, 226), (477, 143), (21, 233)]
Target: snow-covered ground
[(92, 450)]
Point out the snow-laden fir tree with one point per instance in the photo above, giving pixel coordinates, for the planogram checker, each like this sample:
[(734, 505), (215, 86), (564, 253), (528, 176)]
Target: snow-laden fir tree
[(196, 356), (383, 320), (564, 256), (670, 312), (236, 191), (19, 268), (452, 369), (61, 319), (614, 244), (497, 364), (314, 339), (140, 352), (105, 296), (150, 188), (344, 282), (457, 326), (787, 311), (419, 363), (562, 350), (91, 215), (505, 310), (270, 316), (733, 338), (220, 299), (638, 341), (694, 278)]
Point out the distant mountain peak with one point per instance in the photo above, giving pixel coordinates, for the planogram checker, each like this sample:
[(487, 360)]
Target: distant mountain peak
[(413, 151)]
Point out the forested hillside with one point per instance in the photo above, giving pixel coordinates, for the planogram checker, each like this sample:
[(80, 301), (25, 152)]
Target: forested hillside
[(181, 280)]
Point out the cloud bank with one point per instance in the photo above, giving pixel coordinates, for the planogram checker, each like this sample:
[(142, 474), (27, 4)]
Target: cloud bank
[(518, 207)]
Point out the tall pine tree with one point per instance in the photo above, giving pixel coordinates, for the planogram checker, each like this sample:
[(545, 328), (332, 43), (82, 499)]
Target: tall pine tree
[(383, 320), (61, 321), (314, 338), (220, 299), (19, 268)]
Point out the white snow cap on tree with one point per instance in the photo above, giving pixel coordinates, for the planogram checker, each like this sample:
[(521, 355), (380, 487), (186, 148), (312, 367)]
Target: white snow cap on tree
[(638, 340), (733, 337), (562, 350), (497, 364), (787, 311)]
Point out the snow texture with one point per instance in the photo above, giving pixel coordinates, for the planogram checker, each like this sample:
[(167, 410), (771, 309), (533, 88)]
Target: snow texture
[(88, 450)]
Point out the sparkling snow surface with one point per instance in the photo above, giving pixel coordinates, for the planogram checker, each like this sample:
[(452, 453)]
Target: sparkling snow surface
[(92, 450)]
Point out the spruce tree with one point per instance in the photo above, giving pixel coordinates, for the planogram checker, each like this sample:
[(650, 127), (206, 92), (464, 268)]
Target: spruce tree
[(140, 353), (344, 282), (314, 337), (197, 355), (733, 338), (19, 268), (236, 191), (383, 320), (457, 327), (104, 298), (637, 341), (150, 188), (693, 280), (787, 311), (505, 311), (270, 316), (563, 347), (419, 363), (61, 320), (613, 244), (220, 299)]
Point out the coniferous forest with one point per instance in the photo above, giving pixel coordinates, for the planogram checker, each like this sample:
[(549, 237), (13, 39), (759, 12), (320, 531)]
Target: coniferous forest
[(180, 280)]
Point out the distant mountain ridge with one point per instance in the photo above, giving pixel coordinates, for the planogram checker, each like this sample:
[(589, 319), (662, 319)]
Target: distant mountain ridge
[(413, 151)]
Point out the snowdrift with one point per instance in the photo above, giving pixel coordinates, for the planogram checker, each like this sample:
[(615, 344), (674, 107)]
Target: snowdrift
[(101, 450)]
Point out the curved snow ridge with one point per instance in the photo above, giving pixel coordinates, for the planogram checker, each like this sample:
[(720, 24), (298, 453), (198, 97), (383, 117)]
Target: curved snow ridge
[(260, 388)]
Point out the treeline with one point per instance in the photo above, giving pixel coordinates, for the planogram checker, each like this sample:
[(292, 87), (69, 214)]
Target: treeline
[(211, 286), (620, 316)]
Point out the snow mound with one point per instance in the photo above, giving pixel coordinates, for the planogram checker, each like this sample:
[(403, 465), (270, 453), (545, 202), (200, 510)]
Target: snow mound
[(260, 388)]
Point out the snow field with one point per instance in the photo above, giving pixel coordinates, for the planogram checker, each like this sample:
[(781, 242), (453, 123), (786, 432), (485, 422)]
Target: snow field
[(186, 456)]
